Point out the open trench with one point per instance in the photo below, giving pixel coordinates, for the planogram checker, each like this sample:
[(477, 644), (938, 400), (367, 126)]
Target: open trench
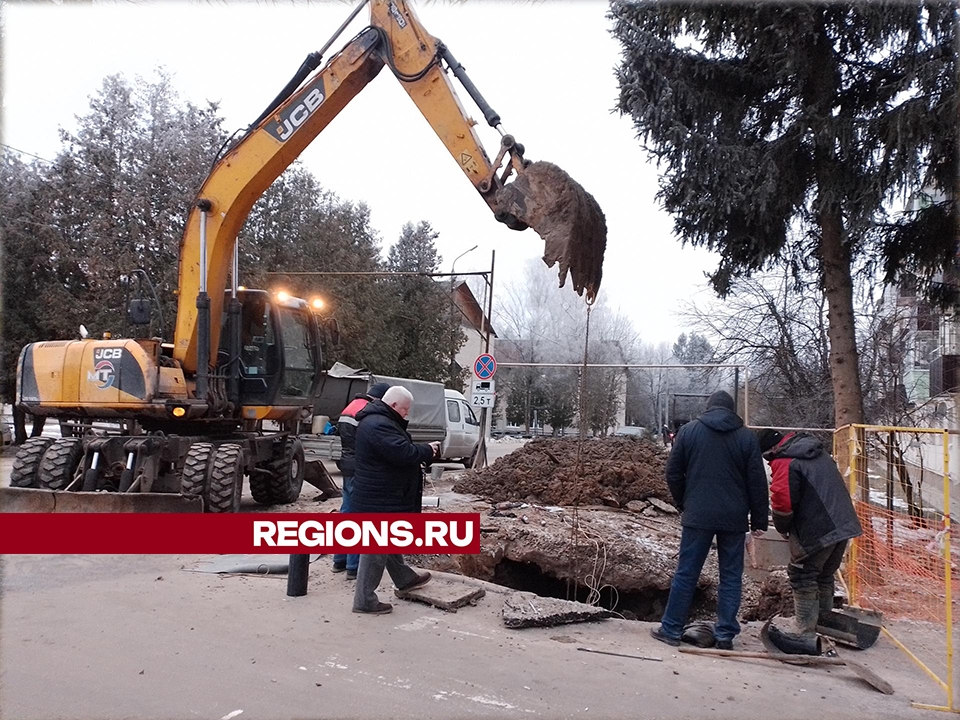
[(634, 557), (646, 604)]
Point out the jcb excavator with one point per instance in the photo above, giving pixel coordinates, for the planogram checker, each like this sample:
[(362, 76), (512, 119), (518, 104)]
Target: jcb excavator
[(195, 408)]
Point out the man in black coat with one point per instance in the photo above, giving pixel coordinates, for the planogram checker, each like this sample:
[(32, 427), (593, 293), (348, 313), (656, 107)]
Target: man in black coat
[(388, 478), (715, 474), (812, 507), (347, 430)]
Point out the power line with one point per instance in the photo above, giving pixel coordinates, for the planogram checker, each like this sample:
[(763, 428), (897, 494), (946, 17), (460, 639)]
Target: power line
[(24, 152)]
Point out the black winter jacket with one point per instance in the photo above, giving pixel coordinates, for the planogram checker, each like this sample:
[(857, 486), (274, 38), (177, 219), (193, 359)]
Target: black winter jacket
[(810, 500), (387, 476), (715, 474), (347, 430)]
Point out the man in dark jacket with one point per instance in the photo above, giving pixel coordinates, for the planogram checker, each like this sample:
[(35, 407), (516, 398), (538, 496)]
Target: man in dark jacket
[(347, 430), (715, 474), (388, 478), (811, 505)]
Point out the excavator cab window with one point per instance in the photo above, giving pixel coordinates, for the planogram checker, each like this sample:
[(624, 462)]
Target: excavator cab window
[(279, 350), (300, 359), (259, 352)]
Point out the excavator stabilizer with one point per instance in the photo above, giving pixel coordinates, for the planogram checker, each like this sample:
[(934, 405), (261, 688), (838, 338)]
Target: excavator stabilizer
[(566, 216), (28, 500)]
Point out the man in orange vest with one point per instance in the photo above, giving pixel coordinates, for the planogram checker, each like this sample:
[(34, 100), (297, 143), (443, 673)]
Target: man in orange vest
[(347, 430)]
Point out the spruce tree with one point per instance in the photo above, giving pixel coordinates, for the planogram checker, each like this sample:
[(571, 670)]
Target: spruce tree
[(423, 323), (794, 133)]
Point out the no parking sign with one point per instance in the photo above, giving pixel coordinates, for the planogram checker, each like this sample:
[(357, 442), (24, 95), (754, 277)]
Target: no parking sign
[(485, 366)]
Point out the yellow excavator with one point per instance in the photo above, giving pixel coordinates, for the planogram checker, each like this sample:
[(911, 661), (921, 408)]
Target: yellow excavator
[(194, 410)]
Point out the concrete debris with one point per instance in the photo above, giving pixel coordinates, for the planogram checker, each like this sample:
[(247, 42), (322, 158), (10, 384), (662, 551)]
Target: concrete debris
[(637, 505), (444, 593), (664, 507), (523, 609)]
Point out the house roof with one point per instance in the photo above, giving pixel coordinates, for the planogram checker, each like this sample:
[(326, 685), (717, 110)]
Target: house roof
[(471, 312)]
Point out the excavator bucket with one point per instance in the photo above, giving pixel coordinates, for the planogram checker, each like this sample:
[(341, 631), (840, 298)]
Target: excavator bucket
[(566, 216), (27, 500)]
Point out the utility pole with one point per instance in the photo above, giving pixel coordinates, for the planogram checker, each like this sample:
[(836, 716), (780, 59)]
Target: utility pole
[(480, 461)]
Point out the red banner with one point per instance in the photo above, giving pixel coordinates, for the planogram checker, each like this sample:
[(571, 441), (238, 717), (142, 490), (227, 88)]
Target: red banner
[(172, 533)]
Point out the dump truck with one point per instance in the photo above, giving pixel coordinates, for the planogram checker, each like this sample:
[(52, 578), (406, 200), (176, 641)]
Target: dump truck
[(225, 399)]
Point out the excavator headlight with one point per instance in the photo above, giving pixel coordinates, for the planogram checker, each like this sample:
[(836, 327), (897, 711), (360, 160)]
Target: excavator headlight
[(283, 296), (317, 303), (179, 412)]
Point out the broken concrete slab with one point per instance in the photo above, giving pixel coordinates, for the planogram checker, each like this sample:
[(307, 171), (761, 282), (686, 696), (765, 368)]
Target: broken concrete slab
[(444, 593), (663, 506), (524, 609), (637, 505)]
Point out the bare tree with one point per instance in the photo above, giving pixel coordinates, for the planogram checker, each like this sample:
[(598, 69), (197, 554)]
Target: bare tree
[(775, 325)]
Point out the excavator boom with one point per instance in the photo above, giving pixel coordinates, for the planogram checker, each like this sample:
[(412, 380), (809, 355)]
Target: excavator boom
[(186, 430), (541, 196)]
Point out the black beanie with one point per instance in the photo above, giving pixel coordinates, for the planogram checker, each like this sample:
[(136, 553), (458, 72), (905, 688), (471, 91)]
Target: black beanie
[(722, 399), (378, 390), (768, 438)]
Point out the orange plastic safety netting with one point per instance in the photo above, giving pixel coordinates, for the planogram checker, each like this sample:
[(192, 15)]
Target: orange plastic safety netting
[(899, 565)]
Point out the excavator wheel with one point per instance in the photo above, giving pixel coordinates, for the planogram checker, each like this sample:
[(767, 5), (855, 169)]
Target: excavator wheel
[(196, 469), (226, 480), (281, 479), (58, 468), (27, 462)]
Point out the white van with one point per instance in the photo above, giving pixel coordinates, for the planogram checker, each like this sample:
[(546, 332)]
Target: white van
[(463, 429)]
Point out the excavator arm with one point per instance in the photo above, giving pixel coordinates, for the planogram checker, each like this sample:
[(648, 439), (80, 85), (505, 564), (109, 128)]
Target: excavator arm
[(541, 196)]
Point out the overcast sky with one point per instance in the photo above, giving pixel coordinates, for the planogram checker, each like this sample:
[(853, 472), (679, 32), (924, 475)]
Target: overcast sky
[(547, 68)]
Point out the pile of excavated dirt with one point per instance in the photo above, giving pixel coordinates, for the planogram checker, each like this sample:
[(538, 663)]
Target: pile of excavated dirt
[(767, 598), (544, 471)]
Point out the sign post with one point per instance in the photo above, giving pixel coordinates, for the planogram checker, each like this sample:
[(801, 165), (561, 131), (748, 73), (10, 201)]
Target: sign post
[(483, 396)]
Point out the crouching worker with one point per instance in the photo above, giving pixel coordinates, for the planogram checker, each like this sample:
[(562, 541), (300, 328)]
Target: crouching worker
[(388, 478), (812, 507)]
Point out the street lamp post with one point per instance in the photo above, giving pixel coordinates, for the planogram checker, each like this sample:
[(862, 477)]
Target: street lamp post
[(453, 277)]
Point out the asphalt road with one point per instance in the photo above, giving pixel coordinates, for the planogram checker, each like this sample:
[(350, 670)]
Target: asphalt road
[(127, 636)]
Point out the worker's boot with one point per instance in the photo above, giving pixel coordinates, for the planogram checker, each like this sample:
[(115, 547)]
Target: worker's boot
[(806, 610), (825, 592), (800, 637)]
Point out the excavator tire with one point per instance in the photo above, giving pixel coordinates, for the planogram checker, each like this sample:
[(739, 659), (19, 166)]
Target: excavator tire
[(281, 479), (196, 469), (60, 462), (226, 480), (27, 462)]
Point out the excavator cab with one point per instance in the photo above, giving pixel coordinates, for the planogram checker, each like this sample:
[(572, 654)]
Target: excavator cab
[(279, 358)]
